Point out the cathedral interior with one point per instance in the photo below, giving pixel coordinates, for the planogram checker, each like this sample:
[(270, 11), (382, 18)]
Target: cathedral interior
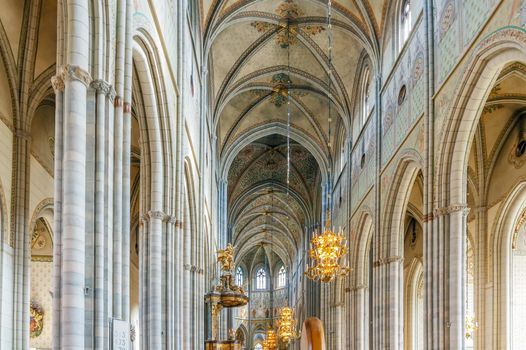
[(262, 174)]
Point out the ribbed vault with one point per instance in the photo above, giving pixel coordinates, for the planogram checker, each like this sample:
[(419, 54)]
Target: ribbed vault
[(255, 48), (262, 54), (262, 208)]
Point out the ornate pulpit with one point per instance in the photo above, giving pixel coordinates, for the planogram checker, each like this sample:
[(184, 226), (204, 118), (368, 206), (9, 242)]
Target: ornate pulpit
[(225, 295)]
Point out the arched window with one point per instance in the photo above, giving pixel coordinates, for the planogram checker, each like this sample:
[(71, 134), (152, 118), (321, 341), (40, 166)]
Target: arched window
[(365, 100), (239, 276), (405, 21), (282, 277), (261, 279)]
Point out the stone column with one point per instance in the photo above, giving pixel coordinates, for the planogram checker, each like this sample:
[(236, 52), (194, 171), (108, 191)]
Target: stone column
[(359, 318), (126, 164), (108, 211), (143, 282), (388, 303), (456, 260), (447, 289), (155, 279), (103, 92), (20, 237), (76, 80), (58, 86), (118, 160)]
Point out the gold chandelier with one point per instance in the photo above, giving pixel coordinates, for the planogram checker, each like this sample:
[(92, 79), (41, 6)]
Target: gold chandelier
[(287, 325), (271, 341), (327, 251)]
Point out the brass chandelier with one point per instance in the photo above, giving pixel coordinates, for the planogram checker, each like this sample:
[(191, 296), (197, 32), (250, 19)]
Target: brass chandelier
[(326, 253), (328, 248), (287, 325), (271, 341)]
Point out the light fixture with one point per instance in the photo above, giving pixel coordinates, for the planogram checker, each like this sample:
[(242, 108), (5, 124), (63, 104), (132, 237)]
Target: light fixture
[(328, 248), (471, 326), (271, 341), (326, 253), (287, 325)]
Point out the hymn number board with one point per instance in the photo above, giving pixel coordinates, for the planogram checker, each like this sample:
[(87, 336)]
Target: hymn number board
[(121, 335)]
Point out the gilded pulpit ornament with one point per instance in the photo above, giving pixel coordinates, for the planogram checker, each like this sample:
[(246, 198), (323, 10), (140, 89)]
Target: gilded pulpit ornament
[(225, 257), (224, 295)]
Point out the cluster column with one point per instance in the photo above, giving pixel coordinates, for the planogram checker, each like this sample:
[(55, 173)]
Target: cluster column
[(92, 161), (19, 238)]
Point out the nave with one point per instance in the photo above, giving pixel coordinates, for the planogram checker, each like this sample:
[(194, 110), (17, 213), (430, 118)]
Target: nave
[(232, 174)]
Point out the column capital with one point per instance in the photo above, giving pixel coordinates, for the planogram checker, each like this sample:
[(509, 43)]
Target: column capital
[(450, 209), (388, 260), (23, 134), (172, 219), (156, 214), (57, 82), (70, 72), (355, 288), (102, 86)]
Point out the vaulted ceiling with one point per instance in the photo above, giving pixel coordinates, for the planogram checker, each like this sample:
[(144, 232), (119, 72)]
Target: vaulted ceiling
[(258, 53), (264, 207), (253, 48)]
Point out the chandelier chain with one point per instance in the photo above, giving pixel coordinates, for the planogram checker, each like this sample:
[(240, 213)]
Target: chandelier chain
[(289, 85), (329, 84)]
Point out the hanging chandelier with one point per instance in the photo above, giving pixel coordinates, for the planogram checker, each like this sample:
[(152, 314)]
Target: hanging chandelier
[(326, 253), (328, 248), (287, 325), (271, 341)]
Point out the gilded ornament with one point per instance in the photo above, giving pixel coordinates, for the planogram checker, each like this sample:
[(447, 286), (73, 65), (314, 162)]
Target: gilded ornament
[(326, 253), (225, 257), (287, 325), (288, 28)]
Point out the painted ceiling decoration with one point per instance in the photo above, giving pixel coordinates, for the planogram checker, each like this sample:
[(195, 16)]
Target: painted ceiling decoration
[(280, 84), (288, 26), (248, 69), (260, 208)]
